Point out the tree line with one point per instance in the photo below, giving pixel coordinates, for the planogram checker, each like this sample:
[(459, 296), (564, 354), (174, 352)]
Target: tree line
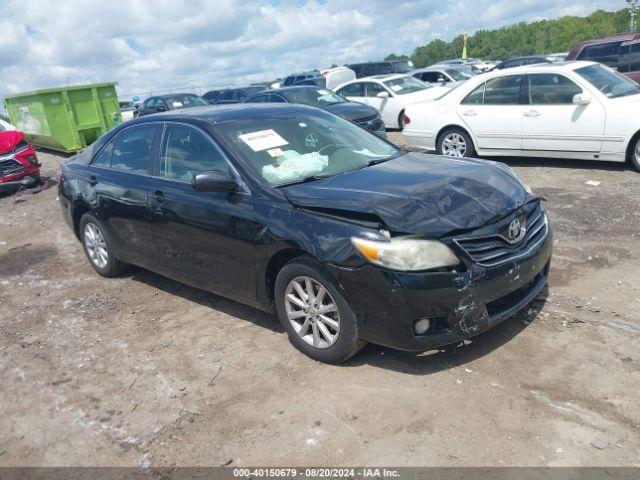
[(542, 37)]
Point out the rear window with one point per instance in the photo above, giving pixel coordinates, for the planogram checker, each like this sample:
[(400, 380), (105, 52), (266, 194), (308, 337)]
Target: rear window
[(184, 101)]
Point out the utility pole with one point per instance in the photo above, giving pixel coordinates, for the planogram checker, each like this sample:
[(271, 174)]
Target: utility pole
[(633, 12)]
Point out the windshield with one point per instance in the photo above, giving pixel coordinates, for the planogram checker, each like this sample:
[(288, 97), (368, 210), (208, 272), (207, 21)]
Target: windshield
[(184, 101), (316, 97), (460, 75), (609, 82), (294, 146), (404, 85)]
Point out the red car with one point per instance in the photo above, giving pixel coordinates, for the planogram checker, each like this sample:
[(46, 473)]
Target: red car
[(621, 52), (19, 165)]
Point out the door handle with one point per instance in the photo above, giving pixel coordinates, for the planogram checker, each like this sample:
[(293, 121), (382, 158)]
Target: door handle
[(532, 113), (469, 113), (159, 196), (92, 180)]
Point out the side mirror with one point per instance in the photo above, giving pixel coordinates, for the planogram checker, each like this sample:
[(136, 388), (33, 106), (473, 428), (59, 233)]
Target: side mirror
[(442, 81), (582, 99), (214, 181), (383, 95)]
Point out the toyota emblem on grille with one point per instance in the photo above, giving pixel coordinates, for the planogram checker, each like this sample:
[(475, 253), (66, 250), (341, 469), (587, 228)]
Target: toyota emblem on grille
[(514, 229)]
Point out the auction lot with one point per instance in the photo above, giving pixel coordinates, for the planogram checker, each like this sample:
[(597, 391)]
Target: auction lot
[(141, 370)]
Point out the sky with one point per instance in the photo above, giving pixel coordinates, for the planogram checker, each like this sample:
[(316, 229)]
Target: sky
[(149, 45)]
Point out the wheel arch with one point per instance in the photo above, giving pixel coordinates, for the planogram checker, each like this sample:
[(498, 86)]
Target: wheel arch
[(631, 145), (456, 126), (78, 211), (275, 264)]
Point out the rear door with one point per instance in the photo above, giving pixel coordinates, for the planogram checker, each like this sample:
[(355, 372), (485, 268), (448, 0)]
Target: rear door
[(118, 182), (494, 113), (202, 238), (552, 122)]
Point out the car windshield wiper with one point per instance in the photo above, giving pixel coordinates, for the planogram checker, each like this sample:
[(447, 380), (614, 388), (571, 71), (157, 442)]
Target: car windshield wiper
[(310, 178)]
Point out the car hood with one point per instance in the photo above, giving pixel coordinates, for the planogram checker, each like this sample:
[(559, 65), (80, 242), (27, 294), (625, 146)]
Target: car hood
[(352, 110), (418, 194), (9, 139)]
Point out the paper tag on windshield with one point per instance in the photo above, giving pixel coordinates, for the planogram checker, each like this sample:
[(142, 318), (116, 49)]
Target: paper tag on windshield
[(275, 152), (396, 88), (323, 92), (263, 140), (177, 104)]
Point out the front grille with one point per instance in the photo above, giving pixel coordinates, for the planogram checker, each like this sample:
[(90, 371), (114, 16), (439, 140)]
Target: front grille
[(373, 124), (492, 250), (11, 167)]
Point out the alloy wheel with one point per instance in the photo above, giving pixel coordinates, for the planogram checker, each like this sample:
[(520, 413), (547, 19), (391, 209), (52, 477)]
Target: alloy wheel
[(312, 312), (454, 145), (96, 245)]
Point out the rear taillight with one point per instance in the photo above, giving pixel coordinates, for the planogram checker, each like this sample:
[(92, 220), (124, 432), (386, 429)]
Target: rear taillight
[(406, 120)]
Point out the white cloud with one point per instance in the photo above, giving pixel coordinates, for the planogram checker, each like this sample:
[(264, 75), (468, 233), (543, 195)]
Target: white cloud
[(147, 45)]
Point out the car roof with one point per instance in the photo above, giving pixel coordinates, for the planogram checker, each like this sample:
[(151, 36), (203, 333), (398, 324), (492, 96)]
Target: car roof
[(294, 88), (386, 76), (169, 95), (541, 67), (224, 113), (442, 68)]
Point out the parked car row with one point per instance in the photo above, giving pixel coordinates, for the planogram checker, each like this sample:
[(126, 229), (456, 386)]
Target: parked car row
[(579, 110)]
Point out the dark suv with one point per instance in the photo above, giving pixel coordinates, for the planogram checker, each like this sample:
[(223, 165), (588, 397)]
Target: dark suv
[(381, 68), (621, 52)]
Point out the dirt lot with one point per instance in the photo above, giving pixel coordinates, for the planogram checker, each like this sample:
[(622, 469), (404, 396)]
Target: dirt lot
[(141, 370)]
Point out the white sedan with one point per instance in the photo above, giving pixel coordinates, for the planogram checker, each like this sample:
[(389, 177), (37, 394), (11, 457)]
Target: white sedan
[(390, 94), (580, 110)]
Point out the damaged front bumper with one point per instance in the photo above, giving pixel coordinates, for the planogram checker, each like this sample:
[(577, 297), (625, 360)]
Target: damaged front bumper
[(24, 182), (459, 305)]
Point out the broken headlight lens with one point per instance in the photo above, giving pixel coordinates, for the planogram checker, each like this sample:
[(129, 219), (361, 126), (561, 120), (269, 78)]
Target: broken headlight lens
[(407, 254)]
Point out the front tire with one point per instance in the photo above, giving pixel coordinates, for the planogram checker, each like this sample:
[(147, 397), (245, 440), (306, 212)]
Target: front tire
[(455, 142), (98, 248), (315, 313), (634, 153)]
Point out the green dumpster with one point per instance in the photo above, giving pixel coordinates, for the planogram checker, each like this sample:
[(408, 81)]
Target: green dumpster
[(68, 118)]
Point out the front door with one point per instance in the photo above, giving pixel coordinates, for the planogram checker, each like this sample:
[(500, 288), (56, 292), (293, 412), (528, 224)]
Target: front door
[(118, 183), (494, 112), (552, 122), (202, 238)]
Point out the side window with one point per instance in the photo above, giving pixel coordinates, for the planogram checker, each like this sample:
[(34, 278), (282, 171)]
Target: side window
[(373, 89), (288, 81), (385, 68), (186, 151), (606, 53), (431, 77), (103, 159), (503, 91), (260, 98), (634, 58), (149, 102), (624, 58), (132, 149), (551, 89), (227, 95), (476, 97), (353, 90), (276, 98), (370, 69), (240, 95)]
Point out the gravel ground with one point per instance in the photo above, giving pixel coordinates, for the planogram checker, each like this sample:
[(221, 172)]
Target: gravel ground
[(141, 370)]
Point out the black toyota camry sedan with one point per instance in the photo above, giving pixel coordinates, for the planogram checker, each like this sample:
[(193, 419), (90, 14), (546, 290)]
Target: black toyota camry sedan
[(293, 209)]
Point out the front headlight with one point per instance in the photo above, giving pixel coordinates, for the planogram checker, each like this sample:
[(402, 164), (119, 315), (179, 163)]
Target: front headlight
[(407, 254)]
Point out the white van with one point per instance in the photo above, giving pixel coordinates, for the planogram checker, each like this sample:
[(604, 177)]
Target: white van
[(337, 76)]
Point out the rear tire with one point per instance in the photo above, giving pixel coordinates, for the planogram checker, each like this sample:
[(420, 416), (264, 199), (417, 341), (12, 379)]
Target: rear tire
[(98, 247), (401, 120), (455, 142), (315, 313), (634, 153)]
